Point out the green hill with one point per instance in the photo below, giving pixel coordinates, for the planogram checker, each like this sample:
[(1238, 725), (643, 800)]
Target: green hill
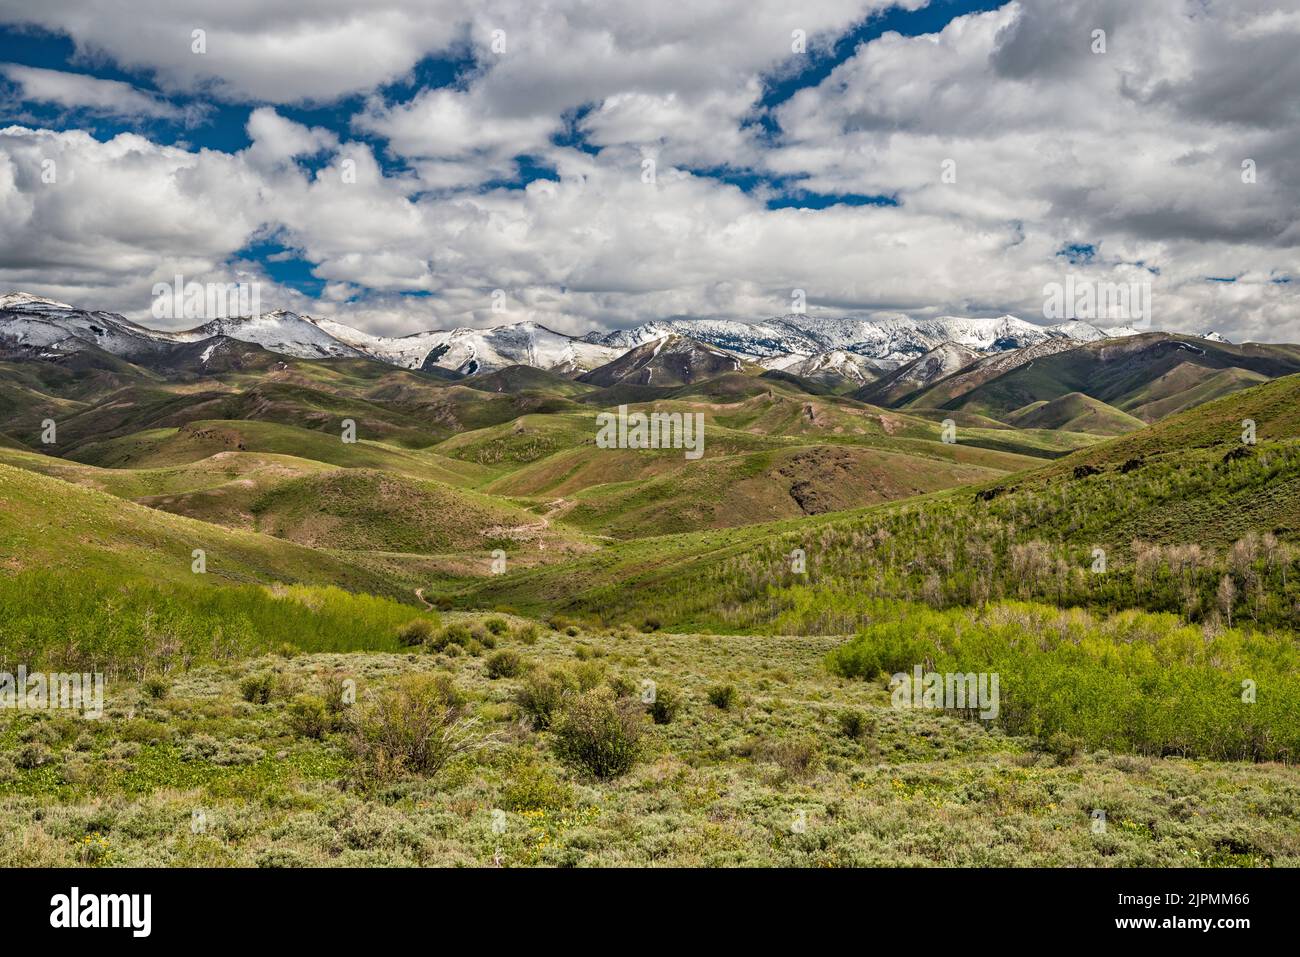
[(48, 523), (1176, 507), (1075, 412)]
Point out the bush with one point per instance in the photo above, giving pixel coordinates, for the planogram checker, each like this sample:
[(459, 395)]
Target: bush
[(414, 726), (498, 626), (415, 632), (155, 687), (456, 634), (527, 634), (854, 724), (543, 694), (558, 622), (504, 664), (1063, 747), (665, 706), (599, 733), (33, 755), (651, 625), (797, 759), (622, 686), (722, 697), (338, 696), (258, 689), (534, 787), (308, 716)]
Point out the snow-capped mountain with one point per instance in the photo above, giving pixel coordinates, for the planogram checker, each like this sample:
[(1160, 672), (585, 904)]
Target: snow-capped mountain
[(672, 360), (859, 350), (480, 350), (830, 367), (941, 361), (32, 322), (284, 332), (890, 342)]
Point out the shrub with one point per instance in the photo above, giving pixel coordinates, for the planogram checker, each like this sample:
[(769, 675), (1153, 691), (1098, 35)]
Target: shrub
[(258, 689), (527, 634), (308, 716), (543, 694), (155, 687), (722, 697), (414, 726), (33, 755), (599, 733), (415, 632), (558, 622), (665, 706), (796, 758), (651, 625), (589, 674), (854, 724), (454, 634), (622, 686), (1064, 747), (504, 664), (338, 696), (534, 787), (498, 626)]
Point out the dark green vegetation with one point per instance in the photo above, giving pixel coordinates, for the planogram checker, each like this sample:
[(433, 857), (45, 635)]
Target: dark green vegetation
[(644, 659)]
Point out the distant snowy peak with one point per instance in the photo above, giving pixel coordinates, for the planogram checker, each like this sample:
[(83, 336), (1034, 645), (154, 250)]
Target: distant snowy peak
[(668, 361), (469, 351), (24, 300), (286, 333), (831, 367), (1215, 337), (890, 342), (32, 322)]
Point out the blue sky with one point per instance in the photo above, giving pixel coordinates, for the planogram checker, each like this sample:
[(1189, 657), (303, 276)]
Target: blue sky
[(770, 169)]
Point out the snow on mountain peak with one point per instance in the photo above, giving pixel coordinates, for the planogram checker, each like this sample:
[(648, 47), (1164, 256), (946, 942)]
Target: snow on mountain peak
[(25, 300)]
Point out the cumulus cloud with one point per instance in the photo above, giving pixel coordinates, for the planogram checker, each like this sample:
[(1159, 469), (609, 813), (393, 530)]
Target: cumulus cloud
[(77, 91), (1135, 154)]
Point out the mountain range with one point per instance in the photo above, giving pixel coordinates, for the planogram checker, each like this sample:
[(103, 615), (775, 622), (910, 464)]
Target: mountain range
[(804, 345)]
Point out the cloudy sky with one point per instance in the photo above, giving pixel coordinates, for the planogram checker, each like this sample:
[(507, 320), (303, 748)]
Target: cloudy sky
[(392, 163)]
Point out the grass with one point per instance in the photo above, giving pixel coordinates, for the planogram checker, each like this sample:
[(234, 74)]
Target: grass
[(203, 778), (126, 625), (298, 704)]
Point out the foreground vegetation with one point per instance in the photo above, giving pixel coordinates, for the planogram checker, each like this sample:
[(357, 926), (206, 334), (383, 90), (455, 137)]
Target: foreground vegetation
[(253, 762)]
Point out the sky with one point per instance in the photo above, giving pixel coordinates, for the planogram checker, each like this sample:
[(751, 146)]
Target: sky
[(402, 165)]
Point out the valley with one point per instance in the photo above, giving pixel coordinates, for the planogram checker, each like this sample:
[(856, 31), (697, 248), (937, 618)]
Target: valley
[(301, 553)]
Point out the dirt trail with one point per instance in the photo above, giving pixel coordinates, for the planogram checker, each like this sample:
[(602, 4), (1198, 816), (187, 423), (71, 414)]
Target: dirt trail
[(419, 593)]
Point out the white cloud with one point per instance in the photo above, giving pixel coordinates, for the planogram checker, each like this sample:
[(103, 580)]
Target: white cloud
[(1137, 151), (79, 91)]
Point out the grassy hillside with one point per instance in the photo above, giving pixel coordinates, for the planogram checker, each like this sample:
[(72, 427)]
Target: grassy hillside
[(1173, 525), (1075, 412), (48, 523), (162, 448), (1128, 373)]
